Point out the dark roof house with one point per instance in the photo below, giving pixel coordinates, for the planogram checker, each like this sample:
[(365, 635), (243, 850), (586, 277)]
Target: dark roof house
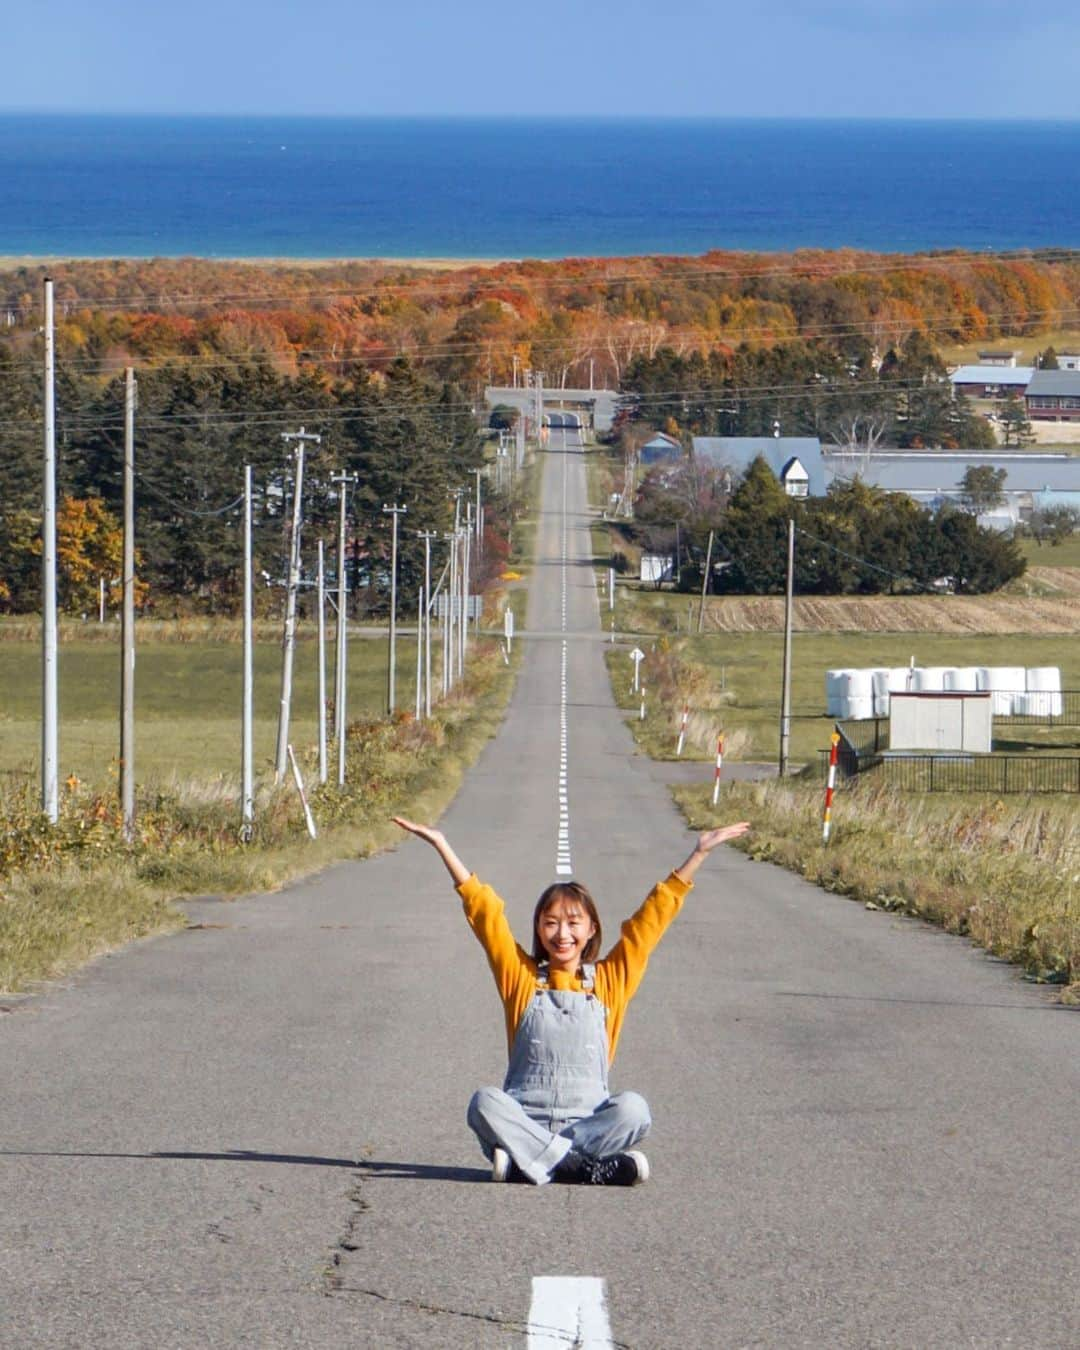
[(1054, 396)]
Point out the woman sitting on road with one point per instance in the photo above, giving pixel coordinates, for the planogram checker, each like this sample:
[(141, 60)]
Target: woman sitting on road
[(553, 1118)]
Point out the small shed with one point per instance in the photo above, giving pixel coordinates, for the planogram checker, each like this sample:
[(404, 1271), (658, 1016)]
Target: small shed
[(941, 721)]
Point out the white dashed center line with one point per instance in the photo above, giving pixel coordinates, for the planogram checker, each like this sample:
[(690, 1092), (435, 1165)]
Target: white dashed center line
[(563, 865), (568, 1312)]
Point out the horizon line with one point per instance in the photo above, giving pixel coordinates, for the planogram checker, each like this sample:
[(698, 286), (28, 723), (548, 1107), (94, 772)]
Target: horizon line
[(609, 117)]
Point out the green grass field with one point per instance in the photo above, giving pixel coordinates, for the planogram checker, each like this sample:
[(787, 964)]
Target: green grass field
[(187, 704), (1065, 554), (745, 681)]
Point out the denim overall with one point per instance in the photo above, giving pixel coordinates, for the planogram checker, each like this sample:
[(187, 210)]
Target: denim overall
[(555, 1096)]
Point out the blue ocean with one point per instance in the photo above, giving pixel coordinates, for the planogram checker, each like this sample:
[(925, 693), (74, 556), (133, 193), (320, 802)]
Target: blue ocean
[(413, 188)]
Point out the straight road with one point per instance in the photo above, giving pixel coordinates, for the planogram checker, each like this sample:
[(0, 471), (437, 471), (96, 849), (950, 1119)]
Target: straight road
[(252, 1133)]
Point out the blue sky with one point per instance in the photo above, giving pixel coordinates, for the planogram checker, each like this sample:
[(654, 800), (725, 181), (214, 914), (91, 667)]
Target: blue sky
[(882, 58)]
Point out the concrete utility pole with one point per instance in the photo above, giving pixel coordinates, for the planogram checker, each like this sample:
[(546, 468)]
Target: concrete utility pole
[(281, 760), (343, 480), (705, 582), (393, 512), (478, 518), (427, 536), (785, 695), (539, 407), (320, 604), (247, 775), (449, 647), (50, 781), (127, 620)]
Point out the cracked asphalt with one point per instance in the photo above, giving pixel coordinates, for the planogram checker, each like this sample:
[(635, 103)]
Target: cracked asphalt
[(252, 1133)]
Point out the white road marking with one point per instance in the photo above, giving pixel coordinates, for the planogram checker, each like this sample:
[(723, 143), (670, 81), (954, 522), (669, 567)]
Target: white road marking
[(568, 1313), (563, 864)]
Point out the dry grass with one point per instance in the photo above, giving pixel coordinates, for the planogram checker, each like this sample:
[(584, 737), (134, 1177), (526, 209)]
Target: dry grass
[(1005, 874)]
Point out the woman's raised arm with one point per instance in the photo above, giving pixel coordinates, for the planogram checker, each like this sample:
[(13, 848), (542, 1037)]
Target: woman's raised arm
[(438, 842), (705, 845)]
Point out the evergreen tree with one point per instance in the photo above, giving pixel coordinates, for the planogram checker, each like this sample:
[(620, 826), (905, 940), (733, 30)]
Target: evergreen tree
[(754, 534)]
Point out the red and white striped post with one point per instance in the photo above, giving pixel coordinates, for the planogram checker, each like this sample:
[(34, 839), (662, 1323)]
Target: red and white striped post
[(830, 788), (682, 728), (719, 766)]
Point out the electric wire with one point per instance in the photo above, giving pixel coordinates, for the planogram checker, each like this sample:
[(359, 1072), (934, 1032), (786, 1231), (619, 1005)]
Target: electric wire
[(823, 265)]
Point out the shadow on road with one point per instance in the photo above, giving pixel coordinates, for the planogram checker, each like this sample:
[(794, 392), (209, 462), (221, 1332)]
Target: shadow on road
[(414, 1171)]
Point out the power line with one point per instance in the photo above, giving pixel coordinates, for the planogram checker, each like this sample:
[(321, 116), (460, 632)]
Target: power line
[(774, 331), (508, 275)]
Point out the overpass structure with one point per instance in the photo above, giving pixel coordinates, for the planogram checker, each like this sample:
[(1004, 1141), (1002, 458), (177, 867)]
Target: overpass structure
[(596, 407)]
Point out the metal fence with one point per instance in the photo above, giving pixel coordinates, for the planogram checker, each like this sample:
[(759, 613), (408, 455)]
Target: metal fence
[(958, 772), (1041, 709)]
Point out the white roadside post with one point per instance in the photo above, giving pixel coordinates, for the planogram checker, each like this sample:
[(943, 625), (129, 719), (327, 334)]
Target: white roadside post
[(508, 628), (611, 590), (682, 728), (637, 656), (719, 767)]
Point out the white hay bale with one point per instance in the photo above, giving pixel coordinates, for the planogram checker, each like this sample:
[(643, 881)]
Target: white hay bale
[(1044, 691), (1006, 683), (929, 679), (837, 689), (962, 679)]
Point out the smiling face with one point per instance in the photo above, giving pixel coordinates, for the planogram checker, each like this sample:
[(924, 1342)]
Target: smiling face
[(564, 929)]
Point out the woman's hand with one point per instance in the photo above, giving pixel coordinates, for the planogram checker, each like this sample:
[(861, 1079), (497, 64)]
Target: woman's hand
[(432, 836), (457, 869), (709, 839)]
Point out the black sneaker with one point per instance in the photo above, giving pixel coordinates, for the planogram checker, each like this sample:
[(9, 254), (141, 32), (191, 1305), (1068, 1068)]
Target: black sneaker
[(621, 1169), (573, 1170), (503, 1168)]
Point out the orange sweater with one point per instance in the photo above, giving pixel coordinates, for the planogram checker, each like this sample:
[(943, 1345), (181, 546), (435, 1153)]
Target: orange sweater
[(617, 975)]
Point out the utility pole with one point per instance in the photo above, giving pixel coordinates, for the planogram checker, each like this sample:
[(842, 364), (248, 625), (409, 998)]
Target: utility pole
[(247, 776), (127, 620), (449, 646), (427, 536), (392, 511), (50, 782), (301, 437), (539, 382), (705, 583), (320, 603), (478, 519), (785, 694), (466, 584), (341, 649)]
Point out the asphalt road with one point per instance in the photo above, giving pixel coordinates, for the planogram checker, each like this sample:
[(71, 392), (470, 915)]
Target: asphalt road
[(252, 1133)]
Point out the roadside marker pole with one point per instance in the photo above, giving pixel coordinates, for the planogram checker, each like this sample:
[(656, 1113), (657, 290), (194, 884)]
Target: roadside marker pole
[(682, 728), (642, 714), (830, 788), (719, 767)]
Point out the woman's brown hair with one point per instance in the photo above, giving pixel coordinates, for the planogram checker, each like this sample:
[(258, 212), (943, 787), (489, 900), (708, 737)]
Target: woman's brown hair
[(576, 892)]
